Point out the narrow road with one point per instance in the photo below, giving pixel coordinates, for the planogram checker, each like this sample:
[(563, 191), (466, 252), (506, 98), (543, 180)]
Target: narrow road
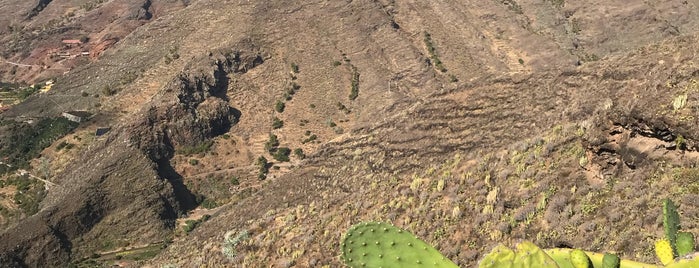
[(22, 172)]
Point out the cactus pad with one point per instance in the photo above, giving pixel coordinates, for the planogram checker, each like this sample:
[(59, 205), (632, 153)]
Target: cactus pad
[(374, 244), (685, 243), (610, 261), (671, 223), (664, 251), (526, 255), (563, 259), (579, 259)]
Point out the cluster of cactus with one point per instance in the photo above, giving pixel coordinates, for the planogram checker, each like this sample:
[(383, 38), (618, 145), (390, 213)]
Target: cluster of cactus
[(675, 244), (375, 244)]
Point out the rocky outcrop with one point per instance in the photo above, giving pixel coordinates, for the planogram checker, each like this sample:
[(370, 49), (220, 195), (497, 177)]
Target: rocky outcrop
[(124, 188)]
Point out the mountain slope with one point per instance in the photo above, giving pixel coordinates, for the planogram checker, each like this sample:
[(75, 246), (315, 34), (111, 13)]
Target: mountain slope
[(545, 117)]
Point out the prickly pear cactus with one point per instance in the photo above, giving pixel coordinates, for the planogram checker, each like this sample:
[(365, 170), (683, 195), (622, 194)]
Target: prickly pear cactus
[(500, 256), (562, 256), (374, 244), (579, 259), (527, 255), (671, 223), (663, 250), (690, 261), (610, 261), (685, 243)]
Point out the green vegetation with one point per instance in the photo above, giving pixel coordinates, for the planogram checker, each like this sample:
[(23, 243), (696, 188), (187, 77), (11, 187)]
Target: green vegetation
[(310, 139), (28, 193), (279, 106), (277, 123), (191, 224), (299, 153), (64, 145), (453, 79), (294, 68), (24, 93), (354, 92), (433, 53), (679, 102), (230, 242), (25, 142), (343, 108), (512, 5), (202, 147), (272, 143), (336, 63), (282, 154), (193, 162), (235, 180), (557, 3), (263, 166), (172, 54), (384, 245), (108, 91)]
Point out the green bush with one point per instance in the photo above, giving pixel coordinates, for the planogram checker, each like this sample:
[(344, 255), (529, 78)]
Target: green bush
[(202, 147), (25, 142), (299, 153), (263, 166), (279, 106), (271, 143), (282, 154), (208, 203), (354, 93), (277, 123), (310, 139)]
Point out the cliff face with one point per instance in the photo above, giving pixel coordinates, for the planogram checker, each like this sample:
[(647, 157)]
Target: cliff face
[(124, 190)]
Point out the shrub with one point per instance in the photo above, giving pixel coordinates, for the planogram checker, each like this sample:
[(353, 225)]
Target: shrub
[(272, 143), (355, 84), (235, 180), (310, 139), (282, 154), (25, 142), (299, 153), (336, 63), (277, 123), (208, 203), (202, 147), (263, 167), (279, 106), (193, 162), (294, 68), (230, 242)]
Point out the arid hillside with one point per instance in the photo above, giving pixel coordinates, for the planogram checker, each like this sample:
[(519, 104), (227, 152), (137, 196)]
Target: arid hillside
[(278, 125)]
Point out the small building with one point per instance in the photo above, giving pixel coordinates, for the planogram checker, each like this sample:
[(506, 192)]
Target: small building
[(77, 116)]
